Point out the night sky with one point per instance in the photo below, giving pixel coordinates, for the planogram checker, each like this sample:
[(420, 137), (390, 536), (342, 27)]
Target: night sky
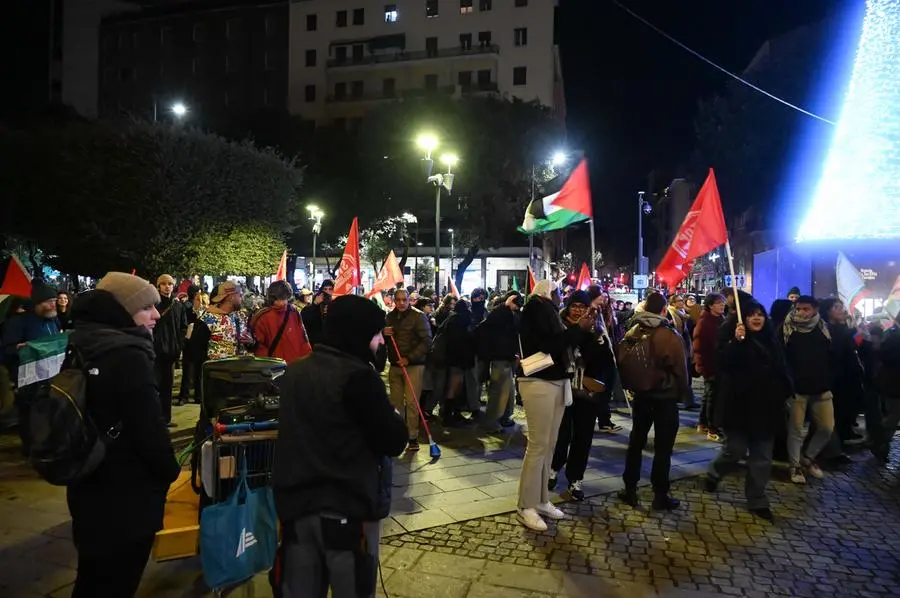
[(632, 95)]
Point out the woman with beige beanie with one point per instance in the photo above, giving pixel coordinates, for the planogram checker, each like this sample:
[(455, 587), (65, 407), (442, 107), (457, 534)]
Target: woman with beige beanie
[(118, 508)]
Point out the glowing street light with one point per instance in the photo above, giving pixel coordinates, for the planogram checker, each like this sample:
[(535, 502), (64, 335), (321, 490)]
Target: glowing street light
[(558, 159), (179, 109), (316, 215), (427, 142)]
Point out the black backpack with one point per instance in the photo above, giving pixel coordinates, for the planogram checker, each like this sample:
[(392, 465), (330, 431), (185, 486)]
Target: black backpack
[(64, 444)]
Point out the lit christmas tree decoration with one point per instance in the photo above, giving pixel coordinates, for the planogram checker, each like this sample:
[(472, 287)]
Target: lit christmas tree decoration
[(858, 196)]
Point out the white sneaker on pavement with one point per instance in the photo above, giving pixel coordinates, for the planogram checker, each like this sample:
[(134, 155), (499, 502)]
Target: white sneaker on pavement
[(797, 476), (531, 520), (814, 470), (548, 509)]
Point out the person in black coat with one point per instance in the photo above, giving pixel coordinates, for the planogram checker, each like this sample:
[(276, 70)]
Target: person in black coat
[(117, 510), (168, 341), (332, 477), (594, 362), (754, 389), (459, 328)]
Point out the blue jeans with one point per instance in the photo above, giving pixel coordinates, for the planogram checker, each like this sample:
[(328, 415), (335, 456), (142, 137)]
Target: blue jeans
[(759, 465), (822, 411)]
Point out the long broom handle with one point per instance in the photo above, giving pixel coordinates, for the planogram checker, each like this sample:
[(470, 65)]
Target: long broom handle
[(412, 390)]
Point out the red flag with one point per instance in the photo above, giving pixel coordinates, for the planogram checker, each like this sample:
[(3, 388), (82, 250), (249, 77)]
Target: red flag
[(452, 287), (389, 276), (348, 272), (15, 279), (531, 281), (584, 278), (281, 273), (576, 193), (702, 231)]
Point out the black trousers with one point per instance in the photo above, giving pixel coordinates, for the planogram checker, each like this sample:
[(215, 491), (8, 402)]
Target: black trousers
[(604, 408), (576, 433), (165, 379), (115, 573), (662, 414)]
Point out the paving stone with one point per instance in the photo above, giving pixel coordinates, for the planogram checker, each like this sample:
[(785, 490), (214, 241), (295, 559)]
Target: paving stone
[(525, 578), (448, 565), (415, 584)]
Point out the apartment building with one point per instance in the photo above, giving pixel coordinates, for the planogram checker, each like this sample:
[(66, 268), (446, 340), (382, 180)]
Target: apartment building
[(348, 55), (217, 57)]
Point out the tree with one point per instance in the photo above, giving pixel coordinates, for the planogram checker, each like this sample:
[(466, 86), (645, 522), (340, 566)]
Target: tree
[(147, 197), (497, 140), (424, 272)]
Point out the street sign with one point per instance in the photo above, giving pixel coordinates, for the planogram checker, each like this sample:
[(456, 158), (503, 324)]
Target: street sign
[(739, 279), (641, 281)]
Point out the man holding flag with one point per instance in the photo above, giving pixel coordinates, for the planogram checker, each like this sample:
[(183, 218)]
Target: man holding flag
[(28, 357)]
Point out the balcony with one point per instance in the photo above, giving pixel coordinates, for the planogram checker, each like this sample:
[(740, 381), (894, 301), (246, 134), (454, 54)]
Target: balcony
[(404, 56), (400, 94)]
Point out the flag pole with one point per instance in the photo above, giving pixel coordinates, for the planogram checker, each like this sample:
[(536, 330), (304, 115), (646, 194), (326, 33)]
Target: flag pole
[(593, 250), (737, 303)]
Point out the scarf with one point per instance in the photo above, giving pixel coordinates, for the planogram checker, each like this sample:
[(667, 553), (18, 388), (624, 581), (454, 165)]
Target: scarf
[(793, 324)]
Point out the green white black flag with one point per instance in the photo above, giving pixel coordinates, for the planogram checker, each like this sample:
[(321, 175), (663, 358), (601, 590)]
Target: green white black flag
[(41, 359)]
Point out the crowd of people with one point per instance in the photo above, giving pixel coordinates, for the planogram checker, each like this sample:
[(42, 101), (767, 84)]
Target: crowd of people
[(563, 354)]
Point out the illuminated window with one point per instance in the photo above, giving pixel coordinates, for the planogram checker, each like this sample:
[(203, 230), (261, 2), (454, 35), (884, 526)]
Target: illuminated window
[(390, 13), (431, 9), (465, 7)]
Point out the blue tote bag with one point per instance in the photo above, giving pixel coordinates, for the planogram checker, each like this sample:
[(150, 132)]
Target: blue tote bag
[(238, 537)]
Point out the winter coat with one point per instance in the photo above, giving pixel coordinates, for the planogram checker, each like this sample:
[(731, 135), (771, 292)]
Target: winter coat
[(124, 499), (460, 333), (292, 345), (412, 334), (542, 330), (596, 352), (168, 336), (313, 318), (887, 375), (812, 360), (498, 336), (705, 340), (22, 328), (338, 431), (668, 356), (754, 384)]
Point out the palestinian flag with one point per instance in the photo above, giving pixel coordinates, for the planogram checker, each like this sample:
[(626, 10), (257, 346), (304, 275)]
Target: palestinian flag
[(571, 205), (41, 359), (850, 283), (14, 278)]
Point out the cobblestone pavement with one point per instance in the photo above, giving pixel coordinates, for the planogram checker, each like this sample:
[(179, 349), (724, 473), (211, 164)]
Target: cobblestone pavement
[(835, 537)]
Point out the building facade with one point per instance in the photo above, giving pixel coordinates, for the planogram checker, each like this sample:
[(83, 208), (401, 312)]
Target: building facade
[(348, 55), (217, 58)]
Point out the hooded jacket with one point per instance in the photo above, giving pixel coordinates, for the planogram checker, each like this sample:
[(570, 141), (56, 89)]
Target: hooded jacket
[(669, 357), (337, 429), (705, 339), (124, 499)]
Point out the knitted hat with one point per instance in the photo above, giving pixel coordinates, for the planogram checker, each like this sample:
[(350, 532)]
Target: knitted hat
[(41, 291), (581, 297), (132, 292), (164, 278), (794, 291)]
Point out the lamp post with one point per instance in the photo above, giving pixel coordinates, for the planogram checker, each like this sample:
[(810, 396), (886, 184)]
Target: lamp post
[(416, 281), (557, 159), (452, 247), (429, 143), (644, 207), (316, 215)]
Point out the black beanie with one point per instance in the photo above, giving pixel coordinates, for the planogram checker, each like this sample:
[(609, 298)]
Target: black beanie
[(794, 291), (41, 291), (581, 297), (351, 323)]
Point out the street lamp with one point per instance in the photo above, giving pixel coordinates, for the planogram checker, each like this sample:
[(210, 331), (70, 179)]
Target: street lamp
[(428, 143), (556, 160), (316, 215), (178, 109), (416, 281)]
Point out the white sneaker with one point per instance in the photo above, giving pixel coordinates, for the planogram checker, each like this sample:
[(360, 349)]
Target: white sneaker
[(797, 476), (549, 510), (531, 520), (814, 470)]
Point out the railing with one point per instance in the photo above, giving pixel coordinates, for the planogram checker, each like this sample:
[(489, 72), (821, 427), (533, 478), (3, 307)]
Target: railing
[(399, 94), (404, 56)]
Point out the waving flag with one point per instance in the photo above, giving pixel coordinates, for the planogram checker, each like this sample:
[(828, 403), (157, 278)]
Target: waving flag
[(41, 359), (531, 281), (702, 231), (850, 283), (451, 287), (389, 276), (576, 193), (348, 275), (281, 273), (571, 205), (584, 278), (14, 278)]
